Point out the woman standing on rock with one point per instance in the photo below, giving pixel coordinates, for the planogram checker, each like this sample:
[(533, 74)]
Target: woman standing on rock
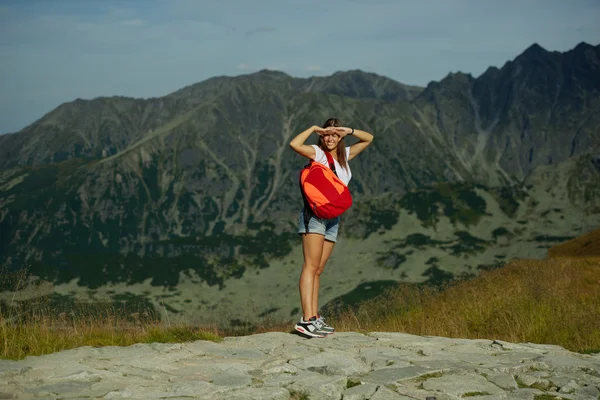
[(320, 237)]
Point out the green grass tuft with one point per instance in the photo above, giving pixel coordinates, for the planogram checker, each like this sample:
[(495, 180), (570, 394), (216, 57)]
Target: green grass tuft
[(352, 382), (546, 397), (423, 378), (298, 395)]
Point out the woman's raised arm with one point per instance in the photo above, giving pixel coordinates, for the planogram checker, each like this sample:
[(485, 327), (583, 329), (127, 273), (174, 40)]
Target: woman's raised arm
[(365, 139), (297, 143)]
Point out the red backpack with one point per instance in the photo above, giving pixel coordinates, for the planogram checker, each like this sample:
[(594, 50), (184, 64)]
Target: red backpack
[(324, 193)]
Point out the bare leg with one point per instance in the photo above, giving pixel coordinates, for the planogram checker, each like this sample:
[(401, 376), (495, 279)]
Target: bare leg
[(312, 246), (327, 249)]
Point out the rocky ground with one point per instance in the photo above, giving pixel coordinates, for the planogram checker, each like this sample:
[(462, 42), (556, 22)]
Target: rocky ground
[(348, 366)]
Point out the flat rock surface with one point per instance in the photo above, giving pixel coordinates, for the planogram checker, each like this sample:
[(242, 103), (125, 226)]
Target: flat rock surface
[(276, 365)]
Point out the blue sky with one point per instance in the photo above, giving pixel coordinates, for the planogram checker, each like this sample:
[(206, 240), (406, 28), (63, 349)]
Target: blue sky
[(54, 51)]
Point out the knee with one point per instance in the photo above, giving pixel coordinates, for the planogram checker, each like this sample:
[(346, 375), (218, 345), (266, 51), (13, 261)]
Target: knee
[(310, 268), (320, 269)]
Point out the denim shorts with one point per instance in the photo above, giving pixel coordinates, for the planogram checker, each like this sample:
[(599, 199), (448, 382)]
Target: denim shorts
[(326, 227)]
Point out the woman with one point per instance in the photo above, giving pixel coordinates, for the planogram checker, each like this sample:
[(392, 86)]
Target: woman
[(319, 240)]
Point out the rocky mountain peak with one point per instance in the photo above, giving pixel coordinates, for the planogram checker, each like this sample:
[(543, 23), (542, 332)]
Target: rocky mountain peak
[(454, 81), (266, 74), (584, 46), (533, 52), (359, 84)]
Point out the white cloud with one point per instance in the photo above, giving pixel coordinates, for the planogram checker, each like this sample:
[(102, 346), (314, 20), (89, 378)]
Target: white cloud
[(313, 68), (243, 67)]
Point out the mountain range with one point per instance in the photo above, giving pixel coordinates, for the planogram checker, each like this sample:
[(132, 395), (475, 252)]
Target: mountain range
[(201, 186)]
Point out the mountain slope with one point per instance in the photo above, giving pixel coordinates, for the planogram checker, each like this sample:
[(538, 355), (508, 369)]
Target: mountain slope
[(539, 109), (203, 180), (431, 234)]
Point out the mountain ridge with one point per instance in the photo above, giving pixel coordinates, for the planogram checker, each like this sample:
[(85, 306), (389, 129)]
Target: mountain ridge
[(203, 179)]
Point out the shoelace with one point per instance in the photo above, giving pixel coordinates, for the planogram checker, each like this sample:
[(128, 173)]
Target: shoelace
[(318, 324)]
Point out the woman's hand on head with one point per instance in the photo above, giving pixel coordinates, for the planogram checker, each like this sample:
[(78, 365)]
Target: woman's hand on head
[(325, 131), (341, 131), (318, 130)]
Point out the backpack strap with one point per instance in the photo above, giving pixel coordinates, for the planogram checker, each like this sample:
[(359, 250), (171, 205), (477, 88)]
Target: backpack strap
[(331, 162), (307, 212)]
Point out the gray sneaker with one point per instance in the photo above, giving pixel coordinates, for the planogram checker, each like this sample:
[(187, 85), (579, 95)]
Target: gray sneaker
[(310, 328), (328, 329)]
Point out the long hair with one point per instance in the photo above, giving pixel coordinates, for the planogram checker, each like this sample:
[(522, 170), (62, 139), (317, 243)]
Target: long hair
[(341, 147)]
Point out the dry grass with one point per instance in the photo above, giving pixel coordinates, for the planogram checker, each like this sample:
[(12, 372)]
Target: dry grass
[(38, 326), (587, 245), (45, 336), (553, 301)]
